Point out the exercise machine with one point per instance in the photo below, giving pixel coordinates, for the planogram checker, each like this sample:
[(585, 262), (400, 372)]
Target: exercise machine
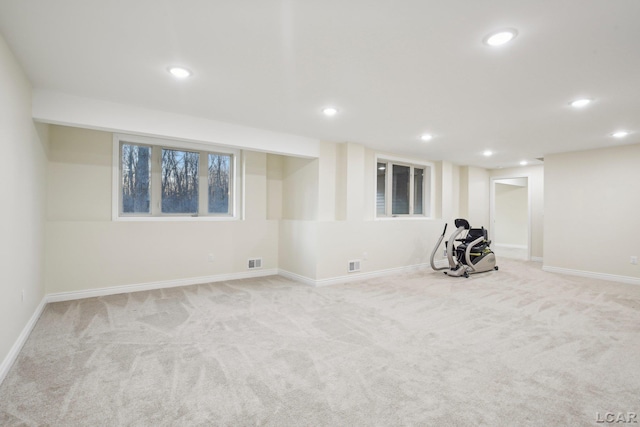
[(471, 255)]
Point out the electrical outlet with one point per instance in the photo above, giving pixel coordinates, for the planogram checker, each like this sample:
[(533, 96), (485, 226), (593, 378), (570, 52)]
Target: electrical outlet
[(210, 258), (634, 260), (365, 256)]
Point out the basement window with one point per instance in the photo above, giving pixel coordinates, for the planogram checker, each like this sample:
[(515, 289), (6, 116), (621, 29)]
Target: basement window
[(172, 180), (403, 189)]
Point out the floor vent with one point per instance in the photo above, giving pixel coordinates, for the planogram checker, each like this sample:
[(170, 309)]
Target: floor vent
[(255, 263), (354, 265)]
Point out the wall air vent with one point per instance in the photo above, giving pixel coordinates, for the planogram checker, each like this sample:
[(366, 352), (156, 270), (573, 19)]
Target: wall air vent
[(354, 265), (255, 263)]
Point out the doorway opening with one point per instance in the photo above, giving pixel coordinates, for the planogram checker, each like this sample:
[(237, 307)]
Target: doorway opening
[(510, 217)]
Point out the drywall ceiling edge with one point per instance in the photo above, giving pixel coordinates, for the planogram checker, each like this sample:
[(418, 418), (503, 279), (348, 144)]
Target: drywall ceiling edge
[(68, 110)]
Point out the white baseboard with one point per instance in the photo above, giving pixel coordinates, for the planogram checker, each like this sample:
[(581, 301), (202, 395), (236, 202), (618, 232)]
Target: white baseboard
[(114, 290), (593, 275), (297, 277), (22, 338), (369, 275), (350, 277), (536, 258)]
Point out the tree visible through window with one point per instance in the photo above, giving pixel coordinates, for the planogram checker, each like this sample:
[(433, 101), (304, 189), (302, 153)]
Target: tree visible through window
[(158, 180), (179, 181), (135, 178), (219, 178)]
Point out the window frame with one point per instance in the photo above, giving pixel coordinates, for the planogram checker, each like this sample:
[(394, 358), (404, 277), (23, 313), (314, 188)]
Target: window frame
[(428, 189), (236, 172)]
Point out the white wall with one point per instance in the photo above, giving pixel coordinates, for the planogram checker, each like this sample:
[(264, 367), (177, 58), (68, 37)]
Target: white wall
[(464, 192), (297, 239), (320, 250), (24, 151), (285, 197), (274, 186), (298, 248), (356, 191), (300, 189), (592, 210), (381, 244), (87, 250), (478, 197), (327, 186), (449, 206), (472, 195)]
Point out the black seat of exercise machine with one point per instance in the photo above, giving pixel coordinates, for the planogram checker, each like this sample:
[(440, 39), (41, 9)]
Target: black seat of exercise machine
[(461, 222), (473, 234)]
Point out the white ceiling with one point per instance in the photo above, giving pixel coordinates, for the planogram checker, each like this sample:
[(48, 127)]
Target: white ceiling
[(394, 69)]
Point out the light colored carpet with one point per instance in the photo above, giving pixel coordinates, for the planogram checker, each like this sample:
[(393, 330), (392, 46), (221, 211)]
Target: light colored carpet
[(513, 347)]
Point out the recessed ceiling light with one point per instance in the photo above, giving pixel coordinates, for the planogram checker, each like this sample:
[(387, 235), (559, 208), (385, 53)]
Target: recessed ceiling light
[(620, 134), (524, 163), (330, 111), (487, 153), (501, 37), (579, 103), (179, 72), (426, 137)]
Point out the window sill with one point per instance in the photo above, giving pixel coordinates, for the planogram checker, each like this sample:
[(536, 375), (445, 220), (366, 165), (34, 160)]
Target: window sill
[(404, 218), (175, 218)]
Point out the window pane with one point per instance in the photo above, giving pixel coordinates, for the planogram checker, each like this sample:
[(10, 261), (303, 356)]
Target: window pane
[(135, 179), (400, 200), (381, 189), (427, 188), (418, 178), (219, 179), (179, 181)]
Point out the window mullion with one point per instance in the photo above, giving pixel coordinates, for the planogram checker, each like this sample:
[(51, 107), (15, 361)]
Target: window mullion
[(389, 189), (232, 184), (203, 183), (156, 181), (120, 180), (424, 192), (411, 190)]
